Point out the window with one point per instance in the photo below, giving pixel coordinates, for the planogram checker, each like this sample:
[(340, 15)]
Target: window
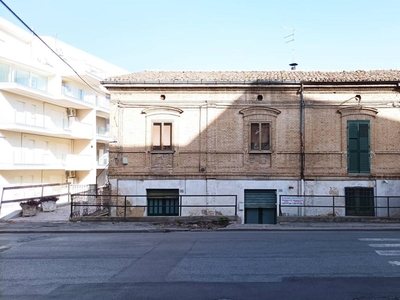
[(39, 82), (162, 136), (21, 77), (260, 136), (4, 71), (359, 201), (358, 158), (163, 202), (30, 79)]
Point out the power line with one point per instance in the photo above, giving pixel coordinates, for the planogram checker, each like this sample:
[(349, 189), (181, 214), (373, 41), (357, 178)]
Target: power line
[(63, 60)]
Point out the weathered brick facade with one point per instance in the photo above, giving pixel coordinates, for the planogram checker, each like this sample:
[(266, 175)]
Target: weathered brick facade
[(308, 115), (211, 132)]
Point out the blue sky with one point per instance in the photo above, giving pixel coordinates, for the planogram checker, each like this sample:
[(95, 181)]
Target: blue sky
[(139, 35)]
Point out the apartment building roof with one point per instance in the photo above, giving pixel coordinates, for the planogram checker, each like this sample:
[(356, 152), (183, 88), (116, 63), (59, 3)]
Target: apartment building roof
[(360, 76)]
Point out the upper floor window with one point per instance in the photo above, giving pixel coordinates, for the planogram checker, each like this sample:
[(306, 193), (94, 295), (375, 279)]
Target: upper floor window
[(21, 77), (260, 125), (30, 79), (358, 147), (4, 71), (260, 136), (162, 136)]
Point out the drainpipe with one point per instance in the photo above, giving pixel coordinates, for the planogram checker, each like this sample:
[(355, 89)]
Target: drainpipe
[(302, 125)]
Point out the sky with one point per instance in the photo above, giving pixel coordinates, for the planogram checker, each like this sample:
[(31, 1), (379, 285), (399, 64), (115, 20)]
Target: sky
[(222, 35)]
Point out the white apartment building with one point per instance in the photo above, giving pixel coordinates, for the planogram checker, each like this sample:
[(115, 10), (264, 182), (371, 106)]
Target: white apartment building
[(54, 128)]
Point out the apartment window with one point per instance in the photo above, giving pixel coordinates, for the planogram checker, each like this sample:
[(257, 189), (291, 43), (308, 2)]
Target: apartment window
[(162, 136), (260, 136), (358, 147), (29, 79), (4, 71), (21, 77), (39, 82), (359, 201)]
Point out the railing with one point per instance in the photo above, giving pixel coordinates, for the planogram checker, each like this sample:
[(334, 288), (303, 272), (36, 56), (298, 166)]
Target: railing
[(91, 204), (16, 194), (322, 205), (71, 91)]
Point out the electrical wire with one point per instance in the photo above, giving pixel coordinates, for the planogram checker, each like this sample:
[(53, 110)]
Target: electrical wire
[(63, 60)]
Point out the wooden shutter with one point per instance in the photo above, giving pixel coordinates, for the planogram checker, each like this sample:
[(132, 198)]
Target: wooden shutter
[(363, 130), (358, 160), (156, 136)]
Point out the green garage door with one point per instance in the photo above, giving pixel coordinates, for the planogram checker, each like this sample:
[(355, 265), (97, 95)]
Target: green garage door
[(260, 206)]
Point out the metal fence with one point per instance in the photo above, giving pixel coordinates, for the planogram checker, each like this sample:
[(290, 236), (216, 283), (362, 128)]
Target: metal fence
[(91, 204), (17, 194), (322, 205)]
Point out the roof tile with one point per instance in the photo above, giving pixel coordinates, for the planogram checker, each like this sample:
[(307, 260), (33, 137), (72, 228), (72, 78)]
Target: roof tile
[(254, 76)]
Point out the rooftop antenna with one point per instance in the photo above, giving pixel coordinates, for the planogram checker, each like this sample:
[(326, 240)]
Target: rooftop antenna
[(290, 39)]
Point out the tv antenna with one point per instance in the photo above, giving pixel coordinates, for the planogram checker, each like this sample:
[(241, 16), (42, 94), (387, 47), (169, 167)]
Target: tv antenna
[(290, 39)]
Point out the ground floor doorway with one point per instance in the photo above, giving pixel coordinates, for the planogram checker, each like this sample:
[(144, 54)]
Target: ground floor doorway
[(260, 207)]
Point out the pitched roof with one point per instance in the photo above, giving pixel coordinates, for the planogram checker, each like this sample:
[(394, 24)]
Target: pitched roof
[(257, 76)]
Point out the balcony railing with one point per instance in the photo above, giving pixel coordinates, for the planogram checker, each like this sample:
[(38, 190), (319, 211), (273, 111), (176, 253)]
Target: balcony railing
[(72, 92), (43, 124), (78, 162), (102, 161), (103, 102), (79, 129)]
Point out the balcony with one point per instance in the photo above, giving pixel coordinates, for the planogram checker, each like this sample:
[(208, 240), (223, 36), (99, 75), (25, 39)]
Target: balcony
[(78, 162), (41, 159), (79, 130), (103, 160), (103, 134), (24, 121), (32, 159), (78, 95)]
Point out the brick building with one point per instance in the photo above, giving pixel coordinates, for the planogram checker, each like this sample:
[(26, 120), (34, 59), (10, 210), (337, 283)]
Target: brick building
[(257, 135)]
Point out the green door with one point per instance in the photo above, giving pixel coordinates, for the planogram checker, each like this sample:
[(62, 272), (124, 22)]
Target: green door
[(260, 206)]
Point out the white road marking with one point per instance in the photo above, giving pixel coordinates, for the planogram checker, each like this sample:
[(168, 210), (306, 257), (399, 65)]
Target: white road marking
[(388, 252), (394, 263), (378, 240), (384, 245)]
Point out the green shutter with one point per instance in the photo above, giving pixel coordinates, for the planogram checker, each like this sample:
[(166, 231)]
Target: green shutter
[(364, 148), (259, 198), (358, 147)]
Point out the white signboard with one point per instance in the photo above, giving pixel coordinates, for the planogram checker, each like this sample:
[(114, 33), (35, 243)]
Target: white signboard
[(295, 201)]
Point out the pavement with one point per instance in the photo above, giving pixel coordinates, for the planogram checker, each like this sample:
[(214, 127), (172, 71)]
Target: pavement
[(58, 222)]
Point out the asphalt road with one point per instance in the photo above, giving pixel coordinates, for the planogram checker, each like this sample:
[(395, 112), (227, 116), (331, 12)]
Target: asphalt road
[(201, 265)]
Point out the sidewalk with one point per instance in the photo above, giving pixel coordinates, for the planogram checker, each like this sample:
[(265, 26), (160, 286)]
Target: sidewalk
[(58, 222)]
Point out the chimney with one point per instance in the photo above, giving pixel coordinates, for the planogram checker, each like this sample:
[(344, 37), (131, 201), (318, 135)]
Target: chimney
[(293, 66)]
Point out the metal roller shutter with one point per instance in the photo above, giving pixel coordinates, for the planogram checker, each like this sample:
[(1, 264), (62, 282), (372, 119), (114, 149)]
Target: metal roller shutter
[(259, 198)]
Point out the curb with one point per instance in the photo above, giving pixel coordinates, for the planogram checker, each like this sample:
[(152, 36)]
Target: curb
[(169, 230)]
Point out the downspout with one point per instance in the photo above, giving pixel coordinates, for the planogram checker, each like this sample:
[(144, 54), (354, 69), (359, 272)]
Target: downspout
[(302, 154)]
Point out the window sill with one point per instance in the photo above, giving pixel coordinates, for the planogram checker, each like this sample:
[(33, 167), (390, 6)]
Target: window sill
[(359, 174), (260, 152), (162, 151)]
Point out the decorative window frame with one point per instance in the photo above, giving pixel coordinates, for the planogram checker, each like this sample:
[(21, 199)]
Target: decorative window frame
[(357, 113), (259, 115), (162, 115)]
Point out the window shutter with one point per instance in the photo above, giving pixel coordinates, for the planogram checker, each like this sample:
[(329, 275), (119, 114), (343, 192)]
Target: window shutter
[(352, 147), (364, 148), (358, 147)]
